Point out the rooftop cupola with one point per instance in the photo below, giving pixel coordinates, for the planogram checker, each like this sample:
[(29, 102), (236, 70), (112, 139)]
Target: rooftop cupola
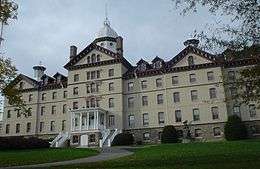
[(38, 71)]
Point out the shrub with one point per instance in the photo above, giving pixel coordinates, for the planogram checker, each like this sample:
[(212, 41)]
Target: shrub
[(235, 129), (169, 135), (22, 143), (123, 139)]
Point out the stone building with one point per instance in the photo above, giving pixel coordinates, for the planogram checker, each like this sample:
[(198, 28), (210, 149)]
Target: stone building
[(103, 94)]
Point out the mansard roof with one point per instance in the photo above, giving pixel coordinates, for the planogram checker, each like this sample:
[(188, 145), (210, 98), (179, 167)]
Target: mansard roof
[(71, 64)]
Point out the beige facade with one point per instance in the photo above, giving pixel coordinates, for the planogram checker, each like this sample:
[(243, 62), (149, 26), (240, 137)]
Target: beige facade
[(103, 94)]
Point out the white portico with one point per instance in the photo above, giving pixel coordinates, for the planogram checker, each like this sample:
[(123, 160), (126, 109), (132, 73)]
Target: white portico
[(88, 120)]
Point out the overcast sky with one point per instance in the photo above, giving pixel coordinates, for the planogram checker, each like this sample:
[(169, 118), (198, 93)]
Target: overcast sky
[(45, 30)]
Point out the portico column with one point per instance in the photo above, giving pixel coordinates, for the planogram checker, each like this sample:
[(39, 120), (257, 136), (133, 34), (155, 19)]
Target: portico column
[(87, 120), (72, 119), (97, 119), (80, 121)]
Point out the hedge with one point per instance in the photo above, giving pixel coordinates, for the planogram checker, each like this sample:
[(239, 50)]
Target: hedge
[(19, 142), (123, 139)]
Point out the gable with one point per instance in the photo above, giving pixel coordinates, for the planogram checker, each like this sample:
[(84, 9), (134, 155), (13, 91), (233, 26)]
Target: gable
[(95, 53), (196, 58), (24, 81)]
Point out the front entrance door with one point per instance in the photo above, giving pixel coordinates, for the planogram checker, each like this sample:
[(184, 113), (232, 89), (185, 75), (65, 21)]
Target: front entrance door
[(84, 140)]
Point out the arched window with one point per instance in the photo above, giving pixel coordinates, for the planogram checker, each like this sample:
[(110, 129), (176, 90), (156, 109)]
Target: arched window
[(190, 60), (88, 59), (21, 85), (98, 58), (157, 64), (93, 58)]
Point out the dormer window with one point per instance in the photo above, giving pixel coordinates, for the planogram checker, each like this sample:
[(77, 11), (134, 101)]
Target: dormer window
[(102, 44), (111, 44), (45, 81), (190, 61), (157, 64), (98, 58), (142, 67)]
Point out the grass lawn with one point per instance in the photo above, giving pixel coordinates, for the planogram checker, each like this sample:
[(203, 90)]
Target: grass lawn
[(213, 155), (34, 156)]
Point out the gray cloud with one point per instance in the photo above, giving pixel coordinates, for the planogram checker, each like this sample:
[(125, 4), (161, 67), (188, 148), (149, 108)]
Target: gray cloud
[(45, 30)]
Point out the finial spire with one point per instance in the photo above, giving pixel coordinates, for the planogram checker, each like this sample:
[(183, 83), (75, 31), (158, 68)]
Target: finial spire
[(106, 22)]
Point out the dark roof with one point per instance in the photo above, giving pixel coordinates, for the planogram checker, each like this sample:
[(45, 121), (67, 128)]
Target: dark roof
[(157, 59)]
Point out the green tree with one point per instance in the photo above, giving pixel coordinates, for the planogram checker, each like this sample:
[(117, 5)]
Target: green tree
[(240, 37), (8, 11), (235, 129), (169, 135)]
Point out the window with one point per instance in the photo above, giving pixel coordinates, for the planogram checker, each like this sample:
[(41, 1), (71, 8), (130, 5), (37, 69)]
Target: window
[(75, 105), (92, 102), (98, 74), (231, 75), (92, 138), (144, 84), (18, 114), (146, 136), (41, 126), (93, 58), (175, 80), (42, 110), (236, 111), (75, 139), (111, 102), (28, 127), (53, 110), (252, 110), (21, 85), (194, 95), (190, 61), (131, 102), (93, 75), (161, 118), (52, 128), (196, 115), (159, 135), (7, 129), (65, 93), (17, 129), (160, 99), (192, 78), (198, 133), (30, 97), (98, 58), (145, 100), (130, 86), (75, 91), (215, 113), (212, 93), (29, 112), (145, 119), (9, 114), (88, 59), (233, 91), (111, 72), (157, 64), (131, 120), (111, 120), (159, 82), (88, 75), (63, 125), (216, 131), (64, 108), (178, 116), (54, 95), (76, 77), (176, 97), (43, 96), (210, 76), (111, 86)]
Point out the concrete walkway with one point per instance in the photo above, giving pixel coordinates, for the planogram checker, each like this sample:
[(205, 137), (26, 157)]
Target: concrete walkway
[(108, 153)]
